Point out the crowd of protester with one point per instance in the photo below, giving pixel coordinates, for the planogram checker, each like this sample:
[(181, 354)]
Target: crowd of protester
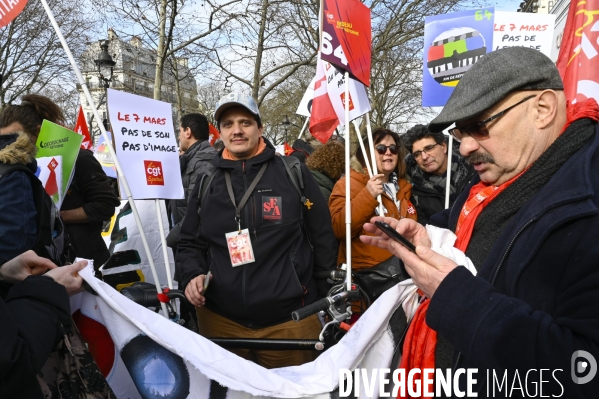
[(258, 232)]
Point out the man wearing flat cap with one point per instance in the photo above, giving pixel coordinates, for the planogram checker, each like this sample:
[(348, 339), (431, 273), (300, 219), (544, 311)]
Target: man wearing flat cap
[(530, 226), (265, 241)]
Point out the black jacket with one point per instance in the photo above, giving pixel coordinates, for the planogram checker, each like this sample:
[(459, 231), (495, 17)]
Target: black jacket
[(92, 190), (287, 250), (193, 163), (32, 316), (534, 301), (18, 228), (429, 200)]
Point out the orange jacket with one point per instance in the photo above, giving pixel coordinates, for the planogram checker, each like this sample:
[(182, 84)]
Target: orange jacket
[(363, 206)]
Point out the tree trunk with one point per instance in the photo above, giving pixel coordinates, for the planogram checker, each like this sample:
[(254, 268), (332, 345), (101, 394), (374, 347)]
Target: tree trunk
[(160, 51)]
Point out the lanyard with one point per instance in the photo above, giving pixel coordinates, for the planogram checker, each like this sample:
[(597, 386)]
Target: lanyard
[(247, 194)]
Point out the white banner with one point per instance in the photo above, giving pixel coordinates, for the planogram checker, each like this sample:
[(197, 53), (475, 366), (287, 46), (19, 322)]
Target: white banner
[(158, 357), (145, 145), (518, 29), (358, 99)]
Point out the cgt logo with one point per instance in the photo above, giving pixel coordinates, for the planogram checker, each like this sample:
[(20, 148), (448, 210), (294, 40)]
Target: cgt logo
[(154, 176), (583, 366)]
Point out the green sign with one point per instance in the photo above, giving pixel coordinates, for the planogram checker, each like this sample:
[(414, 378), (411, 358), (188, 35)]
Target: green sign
[(55, 140)]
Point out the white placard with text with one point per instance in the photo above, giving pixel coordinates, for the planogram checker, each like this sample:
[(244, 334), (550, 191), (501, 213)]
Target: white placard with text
[(145, 145), (517, 29)]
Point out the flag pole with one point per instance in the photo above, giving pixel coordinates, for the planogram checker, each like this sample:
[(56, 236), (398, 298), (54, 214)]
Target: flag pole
[(362, 147), (303, 128), (347, 188), (167, 265), (121, 175), (448, 181), (373, 158)]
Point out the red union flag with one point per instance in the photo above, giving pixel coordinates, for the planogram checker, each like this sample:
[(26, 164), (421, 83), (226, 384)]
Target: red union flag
[(579, 52), (347, 37), (81, 128), (9, 10), (323, 119)]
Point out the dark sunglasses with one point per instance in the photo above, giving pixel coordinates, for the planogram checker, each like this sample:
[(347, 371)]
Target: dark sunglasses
[(478, 130), (382, 149)]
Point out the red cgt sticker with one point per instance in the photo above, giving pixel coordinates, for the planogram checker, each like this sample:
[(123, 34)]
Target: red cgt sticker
[(154, 175)]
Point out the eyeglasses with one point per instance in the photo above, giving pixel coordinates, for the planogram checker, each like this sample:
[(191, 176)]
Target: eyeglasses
[(426, 149), (478, 130), (382, 149)]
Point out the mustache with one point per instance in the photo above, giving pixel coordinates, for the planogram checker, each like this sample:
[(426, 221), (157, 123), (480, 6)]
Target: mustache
[(478, 157)]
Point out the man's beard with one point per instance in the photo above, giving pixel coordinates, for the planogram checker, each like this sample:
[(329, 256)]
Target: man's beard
[(478, 157)]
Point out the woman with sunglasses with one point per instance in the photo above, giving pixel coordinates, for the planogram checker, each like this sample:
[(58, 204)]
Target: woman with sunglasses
[(390, 183)]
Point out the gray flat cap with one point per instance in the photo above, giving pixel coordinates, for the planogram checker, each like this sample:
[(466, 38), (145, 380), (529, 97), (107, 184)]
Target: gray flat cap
[(492, 78)]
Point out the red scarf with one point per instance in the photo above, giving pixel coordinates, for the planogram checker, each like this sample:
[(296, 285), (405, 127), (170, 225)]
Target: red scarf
[(421, 340)]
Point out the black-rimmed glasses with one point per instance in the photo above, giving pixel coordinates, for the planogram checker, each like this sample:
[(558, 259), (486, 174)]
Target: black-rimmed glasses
[(478, 130), (426, 149)]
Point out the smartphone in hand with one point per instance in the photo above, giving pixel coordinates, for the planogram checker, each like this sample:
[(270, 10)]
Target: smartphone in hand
[(394, 235)]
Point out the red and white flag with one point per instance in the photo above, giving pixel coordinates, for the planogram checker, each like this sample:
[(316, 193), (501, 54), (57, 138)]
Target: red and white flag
[(81, 128), (323, 119), (358, 99), (579, 52)]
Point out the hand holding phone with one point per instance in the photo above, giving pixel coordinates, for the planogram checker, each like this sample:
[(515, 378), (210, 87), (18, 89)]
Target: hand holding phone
[(394, 235)]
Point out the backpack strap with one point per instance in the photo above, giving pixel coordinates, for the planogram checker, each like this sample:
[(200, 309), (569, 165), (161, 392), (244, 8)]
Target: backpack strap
[(294, 170), (205, 181)]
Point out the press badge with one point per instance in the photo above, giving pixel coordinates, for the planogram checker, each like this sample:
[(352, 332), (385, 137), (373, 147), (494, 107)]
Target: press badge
[(240, 247)]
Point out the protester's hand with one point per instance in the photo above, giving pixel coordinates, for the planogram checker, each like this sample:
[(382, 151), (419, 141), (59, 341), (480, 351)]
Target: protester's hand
[(195, 291), (427, 268), (375, 185), (24, 265), (69, 277)]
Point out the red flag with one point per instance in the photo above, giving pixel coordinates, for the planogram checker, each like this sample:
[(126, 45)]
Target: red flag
[(213, 134), (347, 37), (288, 149), (9, 10), (578, 56), (323, 119), (81, 128)]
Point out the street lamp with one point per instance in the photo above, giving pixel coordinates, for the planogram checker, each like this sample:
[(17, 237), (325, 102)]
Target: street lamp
[(286, 124), (105, 65)]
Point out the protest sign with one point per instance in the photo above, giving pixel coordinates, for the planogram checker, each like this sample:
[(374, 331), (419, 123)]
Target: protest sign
[(50, 174), (452, 44), (57, 141), (347, 37), (9, 10), (103, 156), (516, 29), (145, 145)]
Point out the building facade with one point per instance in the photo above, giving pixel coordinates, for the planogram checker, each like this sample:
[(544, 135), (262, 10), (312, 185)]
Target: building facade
[(134, 72)]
